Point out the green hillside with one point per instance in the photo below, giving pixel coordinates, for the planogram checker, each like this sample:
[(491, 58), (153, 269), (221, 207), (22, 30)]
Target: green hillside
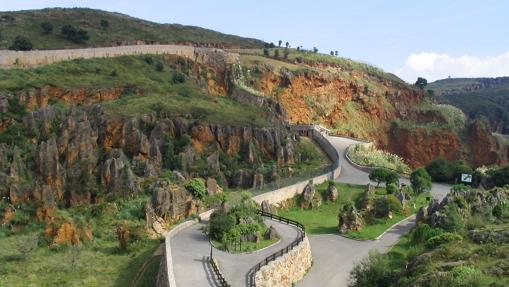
[(487, 97), (120, 29)]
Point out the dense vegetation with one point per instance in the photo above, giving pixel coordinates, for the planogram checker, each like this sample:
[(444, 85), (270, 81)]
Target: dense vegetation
[(93, 28), (467, 246), (478, 97)]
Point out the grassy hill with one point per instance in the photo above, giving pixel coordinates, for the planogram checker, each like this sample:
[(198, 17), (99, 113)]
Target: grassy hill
[(487, 97), (121, 29)]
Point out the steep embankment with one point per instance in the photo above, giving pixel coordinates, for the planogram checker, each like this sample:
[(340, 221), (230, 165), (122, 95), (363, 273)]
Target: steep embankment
[(359, 100), (105, 29)]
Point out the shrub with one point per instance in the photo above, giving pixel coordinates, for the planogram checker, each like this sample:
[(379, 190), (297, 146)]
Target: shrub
[(220, 223), (105, 24), (443, 238), (149, 60), (391, 188), (159, 67), (372, 271), (47, 27), (394, 203), (420, 180), (196, 186), (73, 34), (453, 219), (469, 276), (440, 169), (381, 207), (21, 43), (178, 77), (423, 232), (378, 174), (500, 177)]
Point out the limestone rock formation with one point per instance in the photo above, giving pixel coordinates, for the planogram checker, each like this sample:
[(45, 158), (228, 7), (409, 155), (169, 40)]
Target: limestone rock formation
[(271, 234), (169, 201), (310, 198), (268, 207), (117, 176), (332, 193), (350, 219), (213, 187)]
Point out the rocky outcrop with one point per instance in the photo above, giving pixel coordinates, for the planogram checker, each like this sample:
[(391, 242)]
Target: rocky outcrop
[(117, 176), (350, 219), (332, 193), (310, 198), (170, 201)]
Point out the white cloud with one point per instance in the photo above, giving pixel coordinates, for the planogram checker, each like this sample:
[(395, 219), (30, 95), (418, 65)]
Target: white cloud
[(433, 66)]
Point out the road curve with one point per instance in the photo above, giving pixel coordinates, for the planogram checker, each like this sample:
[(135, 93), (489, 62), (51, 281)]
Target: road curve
[(334, 256), (191, 247)]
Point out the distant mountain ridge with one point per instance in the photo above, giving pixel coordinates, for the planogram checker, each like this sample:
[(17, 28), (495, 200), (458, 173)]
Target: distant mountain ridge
[(477, 97), (106, 29)]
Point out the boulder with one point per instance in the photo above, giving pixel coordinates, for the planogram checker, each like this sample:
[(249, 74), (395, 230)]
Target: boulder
[(310, 198), (332, 193), (421, 215), (258, 181)]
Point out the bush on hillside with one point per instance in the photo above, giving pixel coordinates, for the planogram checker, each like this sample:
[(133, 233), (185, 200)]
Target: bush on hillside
[(391, 188), (394, 203), (420, 180), (21, 43), (500, 177), (46, 27), (384, 175), (443, 238), (423, 232), (73, 34), (178, 77), (196, 186)]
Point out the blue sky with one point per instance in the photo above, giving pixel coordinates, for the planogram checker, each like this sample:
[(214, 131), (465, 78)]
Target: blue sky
[(434, 39)]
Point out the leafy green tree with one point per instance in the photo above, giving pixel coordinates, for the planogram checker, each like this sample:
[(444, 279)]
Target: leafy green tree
[(105, 24), (73, 34), (220, 223), (47, 27), (420, 180), (441, 169), (315, 50), (21, 43), (287, 45), (392, 177), (279, 43), (378, 174), (336, 53), (461, 167), (421, 83), (332, 53)]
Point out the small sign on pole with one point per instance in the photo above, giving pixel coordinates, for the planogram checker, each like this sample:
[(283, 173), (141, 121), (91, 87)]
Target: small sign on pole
[(465, 177)]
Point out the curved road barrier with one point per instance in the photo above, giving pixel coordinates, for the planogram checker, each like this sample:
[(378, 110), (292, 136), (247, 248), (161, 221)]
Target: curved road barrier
[(257, 275), (218, 273)]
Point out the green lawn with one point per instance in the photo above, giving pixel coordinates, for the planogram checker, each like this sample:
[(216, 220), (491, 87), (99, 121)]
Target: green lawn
[(97, 264), (324, 220)]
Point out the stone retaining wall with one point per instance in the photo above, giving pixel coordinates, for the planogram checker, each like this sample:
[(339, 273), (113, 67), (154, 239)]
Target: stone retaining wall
[(26, 59), (287, 269)]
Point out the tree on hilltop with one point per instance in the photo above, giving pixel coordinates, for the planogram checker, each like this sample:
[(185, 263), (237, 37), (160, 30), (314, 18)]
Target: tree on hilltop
[(315, 50), (336, 53), (73, 34), (287, 45), (279, 43), (421, 83), (105, 24), (332, 53)]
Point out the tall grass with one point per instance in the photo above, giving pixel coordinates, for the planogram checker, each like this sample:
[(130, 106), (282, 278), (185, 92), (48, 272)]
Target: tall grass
[(372, 157)]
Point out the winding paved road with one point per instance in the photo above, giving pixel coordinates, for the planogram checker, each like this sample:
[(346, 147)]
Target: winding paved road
[(190, 248), (333, 256)]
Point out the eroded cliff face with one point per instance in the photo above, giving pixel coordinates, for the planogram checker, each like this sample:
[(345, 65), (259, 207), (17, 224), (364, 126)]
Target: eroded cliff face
[(75, 156)]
